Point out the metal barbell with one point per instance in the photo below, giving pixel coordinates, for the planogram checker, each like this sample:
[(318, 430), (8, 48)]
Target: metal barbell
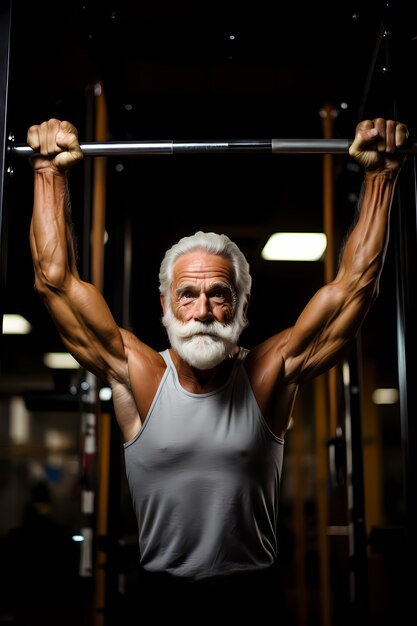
[(273, 146)]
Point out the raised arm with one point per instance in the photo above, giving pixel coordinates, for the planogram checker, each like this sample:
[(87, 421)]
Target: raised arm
[(78, 309), (334, 315)]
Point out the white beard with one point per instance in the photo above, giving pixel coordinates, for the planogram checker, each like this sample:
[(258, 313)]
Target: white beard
[(203, 345)]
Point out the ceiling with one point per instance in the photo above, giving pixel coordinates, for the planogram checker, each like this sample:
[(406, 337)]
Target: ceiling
[(199, 70)]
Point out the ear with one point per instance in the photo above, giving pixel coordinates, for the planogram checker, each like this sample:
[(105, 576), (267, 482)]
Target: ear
[(162, 301)]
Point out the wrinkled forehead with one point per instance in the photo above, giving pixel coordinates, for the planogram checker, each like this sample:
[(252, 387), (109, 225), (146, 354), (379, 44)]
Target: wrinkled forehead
[(200, 265)]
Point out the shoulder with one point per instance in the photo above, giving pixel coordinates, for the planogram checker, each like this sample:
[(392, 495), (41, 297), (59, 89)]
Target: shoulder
[(265, 367), (265, 363), (145, 370), (141, 358)]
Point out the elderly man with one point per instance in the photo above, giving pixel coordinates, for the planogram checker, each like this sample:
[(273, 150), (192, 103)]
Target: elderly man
[(203, 422)]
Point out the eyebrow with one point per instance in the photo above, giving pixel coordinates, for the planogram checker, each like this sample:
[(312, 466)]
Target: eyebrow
[(219, 285)]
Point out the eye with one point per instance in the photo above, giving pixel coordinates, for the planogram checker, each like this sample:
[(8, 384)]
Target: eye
[(187, 294), (220, 295)]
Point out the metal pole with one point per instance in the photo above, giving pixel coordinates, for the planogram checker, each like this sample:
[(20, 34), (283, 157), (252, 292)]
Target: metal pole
[(274, 146), (5, 39)]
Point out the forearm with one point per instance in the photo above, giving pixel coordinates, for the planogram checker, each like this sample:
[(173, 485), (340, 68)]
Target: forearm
[(52, 243), (364, 253)]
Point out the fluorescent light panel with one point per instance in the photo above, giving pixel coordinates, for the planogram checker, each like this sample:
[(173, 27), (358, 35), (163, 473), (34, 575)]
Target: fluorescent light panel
[(295, 247), (60, 361), (14, 324)]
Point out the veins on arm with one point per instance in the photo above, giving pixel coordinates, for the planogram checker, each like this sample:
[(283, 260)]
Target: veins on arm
[(328, 324), (332, 318)]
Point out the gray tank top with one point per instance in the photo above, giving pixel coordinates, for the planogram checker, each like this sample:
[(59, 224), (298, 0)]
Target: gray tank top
[(204, 475)]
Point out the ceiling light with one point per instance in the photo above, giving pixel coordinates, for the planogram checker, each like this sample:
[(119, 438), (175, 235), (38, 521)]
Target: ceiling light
[(105, 393), (295, 247), (60, 361), (14, 324)]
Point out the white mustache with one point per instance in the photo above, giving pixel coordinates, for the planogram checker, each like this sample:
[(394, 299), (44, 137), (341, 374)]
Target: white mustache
[(213, 329), (203, 344)]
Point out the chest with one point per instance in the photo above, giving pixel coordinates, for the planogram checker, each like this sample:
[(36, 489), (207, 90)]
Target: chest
[(218, 429)]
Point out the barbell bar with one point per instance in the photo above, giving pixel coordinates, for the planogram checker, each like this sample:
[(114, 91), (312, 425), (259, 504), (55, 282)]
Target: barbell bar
[(273, 146)]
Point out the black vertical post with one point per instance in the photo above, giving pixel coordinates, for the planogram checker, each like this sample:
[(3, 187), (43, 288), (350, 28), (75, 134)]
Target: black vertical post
[(405, 258), (5, 37), (398, 57), (356, 494), (393, 93), (116, 600)]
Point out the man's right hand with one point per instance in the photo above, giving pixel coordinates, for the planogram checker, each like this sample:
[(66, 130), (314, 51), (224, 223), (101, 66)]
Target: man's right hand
[(56, 144)]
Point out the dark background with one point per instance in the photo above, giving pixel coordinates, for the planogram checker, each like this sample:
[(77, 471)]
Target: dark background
[(170, 70), (197, 70)]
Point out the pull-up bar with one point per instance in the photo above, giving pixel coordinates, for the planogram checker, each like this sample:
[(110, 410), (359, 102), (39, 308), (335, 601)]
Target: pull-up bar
[(273, 146)]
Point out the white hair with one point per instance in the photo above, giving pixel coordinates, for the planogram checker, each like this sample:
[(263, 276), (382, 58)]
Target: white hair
[(213, 243)]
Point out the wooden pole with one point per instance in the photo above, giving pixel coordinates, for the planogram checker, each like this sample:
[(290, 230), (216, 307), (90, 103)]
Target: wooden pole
[(325, 404), (103, 419), (328, 114)]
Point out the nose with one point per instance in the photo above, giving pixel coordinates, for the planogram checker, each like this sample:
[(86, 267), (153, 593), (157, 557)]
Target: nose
[(202, 310)]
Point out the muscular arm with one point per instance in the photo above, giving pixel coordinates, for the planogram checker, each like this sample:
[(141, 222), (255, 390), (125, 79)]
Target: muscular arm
[(82, 317), (333, 316), (79, 312)]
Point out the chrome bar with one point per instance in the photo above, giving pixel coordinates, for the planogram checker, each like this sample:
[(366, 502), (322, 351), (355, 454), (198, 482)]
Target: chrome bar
[(274, 146), (115, 148), (310, 146)]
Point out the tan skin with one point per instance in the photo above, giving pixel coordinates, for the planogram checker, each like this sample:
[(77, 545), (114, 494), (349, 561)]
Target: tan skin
[(202, 288)]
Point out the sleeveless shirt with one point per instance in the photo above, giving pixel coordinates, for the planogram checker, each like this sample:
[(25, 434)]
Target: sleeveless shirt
[(204, 476)]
